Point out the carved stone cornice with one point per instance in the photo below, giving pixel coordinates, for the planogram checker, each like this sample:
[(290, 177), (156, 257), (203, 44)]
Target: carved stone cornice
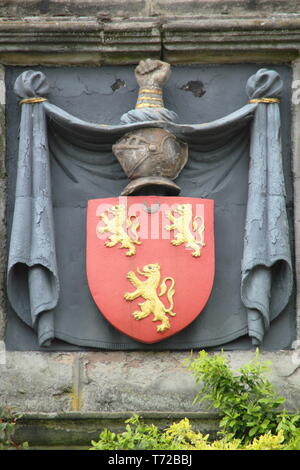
[(90, 40), (275, 39), (80, 40)]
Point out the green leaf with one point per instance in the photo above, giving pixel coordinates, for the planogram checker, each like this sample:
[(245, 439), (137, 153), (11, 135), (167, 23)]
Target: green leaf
[(253, 431)]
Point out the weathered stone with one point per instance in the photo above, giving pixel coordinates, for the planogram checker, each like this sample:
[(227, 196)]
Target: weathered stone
[(108, 9), (137, 381), (2, 204), (85, 40), (296, 177), (36, 381), (122, 381), (77, 40), (222, 7), (206, 40), (105, 9)]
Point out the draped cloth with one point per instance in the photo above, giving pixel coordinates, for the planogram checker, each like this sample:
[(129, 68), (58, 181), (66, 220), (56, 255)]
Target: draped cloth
[(64, 161), (266, 266)]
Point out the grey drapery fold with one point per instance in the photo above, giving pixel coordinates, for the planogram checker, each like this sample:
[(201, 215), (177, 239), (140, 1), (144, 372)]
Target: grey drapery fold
[(33, 285), (267, 276)]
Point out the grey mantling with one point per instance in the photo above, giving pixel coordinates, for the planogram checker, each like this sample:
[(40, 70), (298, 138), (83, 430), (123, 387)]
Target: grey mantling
[(34, 279)]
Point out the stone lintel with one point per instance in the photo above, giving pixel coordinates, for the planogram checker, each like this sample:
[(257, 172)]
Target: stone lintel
[(88, 40)]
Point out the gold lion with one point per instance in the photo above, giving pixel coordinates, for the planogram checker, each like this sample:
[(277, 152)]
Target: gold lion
[(115, 225), (182, 226), (148, 290)]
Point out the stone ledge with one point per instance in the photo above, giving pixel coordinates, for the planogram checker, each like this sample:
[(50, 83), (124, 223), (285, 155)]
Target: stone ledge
[(78, 429)]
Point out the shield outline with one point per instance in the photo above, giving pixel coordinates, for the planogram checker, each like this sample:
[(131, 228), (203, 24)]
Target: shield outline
[(107, 267)]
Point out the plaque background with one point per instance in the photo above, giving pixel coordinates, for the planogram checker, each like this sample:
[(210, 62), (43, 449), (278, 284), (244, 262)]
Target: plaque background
[(93, 94)]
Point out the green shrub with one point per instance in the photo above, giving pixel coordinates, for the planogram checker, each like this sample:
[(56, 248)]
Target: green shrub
[(178, 436), (294, 442), (245, 398), (250, 409), (8, 420)]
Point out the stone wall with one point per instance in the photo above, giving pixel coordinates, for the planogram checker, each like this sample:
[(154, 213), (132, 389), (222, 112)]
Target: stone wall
[(57, 390), (141, 8), (2, 203)]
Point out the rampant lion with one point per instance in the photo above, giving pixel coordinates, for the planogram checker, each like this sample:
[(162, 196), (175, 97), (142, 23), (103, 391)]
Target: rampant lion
[(116, 226), (182, 226), (148, 290)]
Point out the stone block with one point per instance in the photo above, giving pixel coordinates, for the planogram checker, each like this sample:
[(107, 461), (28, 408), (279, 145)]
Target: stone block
[(39, 382), (137, 381)]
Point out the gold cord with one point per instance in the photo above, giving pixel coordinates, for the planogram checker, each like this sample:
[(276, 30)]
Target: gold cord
[(150, 98), (147, 98), (264, 100), (33, 100)]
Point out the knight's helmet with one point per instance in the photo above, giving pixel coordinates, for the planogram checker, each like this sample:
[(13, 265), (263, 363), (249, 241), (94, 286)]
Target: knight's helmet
[(151, 157)]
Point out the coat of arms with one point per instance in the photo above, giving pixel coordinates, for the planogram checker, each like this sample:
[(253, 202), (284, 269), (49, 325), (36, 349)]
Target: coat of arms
[(150, 273)]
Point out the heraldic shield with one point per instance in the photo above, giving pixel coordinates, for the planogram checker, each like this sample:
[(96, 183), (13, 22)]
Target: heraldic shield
[(150, 262)]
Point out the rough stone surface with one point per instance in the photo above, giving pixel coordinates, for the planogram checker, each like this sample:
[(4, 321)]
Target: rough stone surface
[(296, 176), (40, 382), (70, 40), (2, 204), (122, 381), (136, 381), (105, 9)]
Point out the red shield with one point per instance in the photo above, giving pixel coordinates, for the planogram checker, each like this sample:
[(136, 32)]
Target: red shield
[(150, 262)]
